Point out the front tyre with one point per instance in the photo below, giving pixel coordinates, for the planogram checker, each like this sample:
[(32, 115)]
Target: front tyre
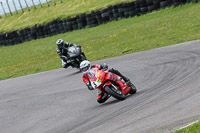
[(115, 92)]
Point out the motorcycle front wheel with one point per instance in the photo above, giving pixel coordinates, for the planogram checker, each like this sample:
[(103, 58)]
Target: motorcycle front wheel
[(115, 92)]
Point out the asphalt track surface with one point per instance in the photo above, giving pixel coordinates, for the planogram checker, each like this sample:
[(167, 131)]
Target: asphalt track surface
[(57, 101)]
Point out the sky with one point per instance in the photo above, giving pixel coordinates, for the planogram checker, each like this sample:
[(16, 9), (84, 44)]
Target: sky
[(29, 2)]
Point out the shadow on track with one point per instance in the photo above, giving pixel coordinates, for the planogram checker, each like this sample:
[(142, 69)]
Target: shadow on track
[(74, 73), (138, 93)]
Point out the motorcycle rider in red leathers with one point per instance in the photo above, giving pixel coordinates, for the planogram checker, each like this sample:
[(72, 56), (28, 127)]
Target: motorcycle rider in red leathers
[(85, 66)]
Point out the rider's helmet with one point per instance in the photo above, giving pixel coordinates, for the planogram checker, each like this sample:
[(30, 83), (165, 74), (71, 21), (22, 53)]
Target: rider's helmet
[(60, 43), (85, 66)]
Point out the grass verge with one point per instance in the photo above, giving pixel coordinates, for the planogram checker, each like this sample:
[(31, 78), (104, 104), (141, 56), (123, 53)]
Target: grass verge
[(195, 128), (45, 14), (158, 29)]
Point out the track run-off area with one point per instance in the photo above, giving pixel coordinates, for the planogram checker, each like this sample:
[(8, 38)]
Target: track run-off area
[(57, 101)]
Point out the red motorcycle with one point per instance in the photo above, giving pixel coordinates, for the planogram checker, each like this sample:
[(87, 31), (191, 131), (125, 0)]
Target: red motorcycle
[(110, 83)]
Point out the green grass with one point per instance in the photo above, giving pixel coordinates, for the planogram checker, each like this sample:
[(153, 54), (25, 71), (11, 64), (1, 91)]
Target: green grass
[(43, 15), (195, 128), (158, 29)]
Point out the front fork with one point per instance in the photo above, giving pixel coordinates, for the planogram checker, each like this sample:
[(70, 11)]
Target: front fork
[(124, 88)]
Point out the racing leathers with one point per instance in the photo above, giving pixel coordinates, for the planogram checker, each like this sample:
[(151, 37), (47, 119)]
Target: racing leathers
[(63, 53), (102, 97)]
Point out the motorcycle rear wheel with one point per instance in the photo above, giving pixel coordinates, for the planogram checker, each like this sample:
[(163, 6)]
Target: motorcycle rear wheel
[(133, 89), (115, 93)]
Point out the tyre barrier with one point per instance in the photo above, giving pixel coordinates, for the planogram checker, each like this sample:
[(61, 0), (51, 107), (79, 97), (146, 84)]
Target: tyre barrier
[(114, 12)]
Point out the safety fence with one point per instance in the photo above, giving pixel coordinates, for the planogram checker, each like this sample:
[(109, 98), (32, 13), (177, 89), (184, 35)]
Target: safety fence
[(10, 6), (114, 12)]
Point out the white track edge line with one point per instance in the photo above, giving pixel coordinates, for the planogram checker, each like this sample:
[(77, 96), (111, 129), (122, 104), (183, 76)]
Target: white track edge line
[(188, 125)]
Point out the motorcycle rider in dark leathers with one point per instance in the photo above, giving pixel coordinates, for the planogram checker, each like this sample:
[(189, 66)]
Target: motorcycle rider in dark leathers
[(85, 66), (62, 51)]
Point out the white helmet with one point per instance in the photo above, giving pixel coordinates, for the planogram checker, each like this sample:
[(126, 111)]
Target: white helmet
[(85, 66)]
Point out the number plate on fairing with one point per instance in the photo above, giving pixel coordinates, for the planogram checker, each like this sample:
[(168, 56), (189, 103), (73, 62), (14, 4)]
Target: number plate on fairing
[(96, 83)]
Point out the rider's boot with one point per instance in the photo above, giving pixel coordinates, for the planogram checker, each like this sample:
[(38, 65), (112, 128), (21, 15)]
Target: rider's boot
[(115, 71), (64, 64), (102, 97), (128, 82), (83, 53), (83, 56)]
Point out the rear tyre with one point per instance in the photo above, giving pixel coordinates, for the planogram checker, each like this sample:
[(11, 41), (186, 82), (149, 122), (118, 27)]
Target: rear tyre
[(115, 92), (133, 89)]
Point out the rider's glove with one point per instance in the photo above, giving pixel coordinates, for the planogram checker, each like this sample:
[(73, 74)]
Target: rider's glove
[(89, 86), (104, 67), (58, 51)]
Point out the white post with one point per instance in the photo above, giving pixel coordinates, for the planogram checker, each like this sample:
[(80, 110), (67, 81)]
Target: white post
[(40, 4), (21, 6), (27, 5), (33, 4), (15, 6), (3, 9), (47, 3)]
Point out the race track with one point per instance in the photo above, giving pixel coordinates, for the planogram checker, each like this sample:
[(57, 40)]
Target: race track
[(57, 101)]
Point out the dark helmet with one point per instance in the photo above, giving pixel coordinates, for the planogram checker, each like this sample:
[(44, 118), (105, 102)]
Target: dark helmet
[(60, 43)]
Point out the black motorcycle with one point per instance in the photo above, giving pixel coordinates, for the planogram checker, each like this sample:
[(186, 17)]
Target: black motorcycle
[(75, 57)]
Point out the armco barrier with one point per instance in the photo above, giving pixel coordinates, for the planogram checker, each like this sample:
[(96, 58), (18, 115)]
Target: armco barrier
[(114, 12)]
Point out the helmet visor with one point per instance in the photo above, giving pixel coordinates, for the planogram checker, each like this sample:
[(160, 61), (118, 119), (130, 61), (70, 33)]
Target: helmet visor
[(60, 45), (85, 69)]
